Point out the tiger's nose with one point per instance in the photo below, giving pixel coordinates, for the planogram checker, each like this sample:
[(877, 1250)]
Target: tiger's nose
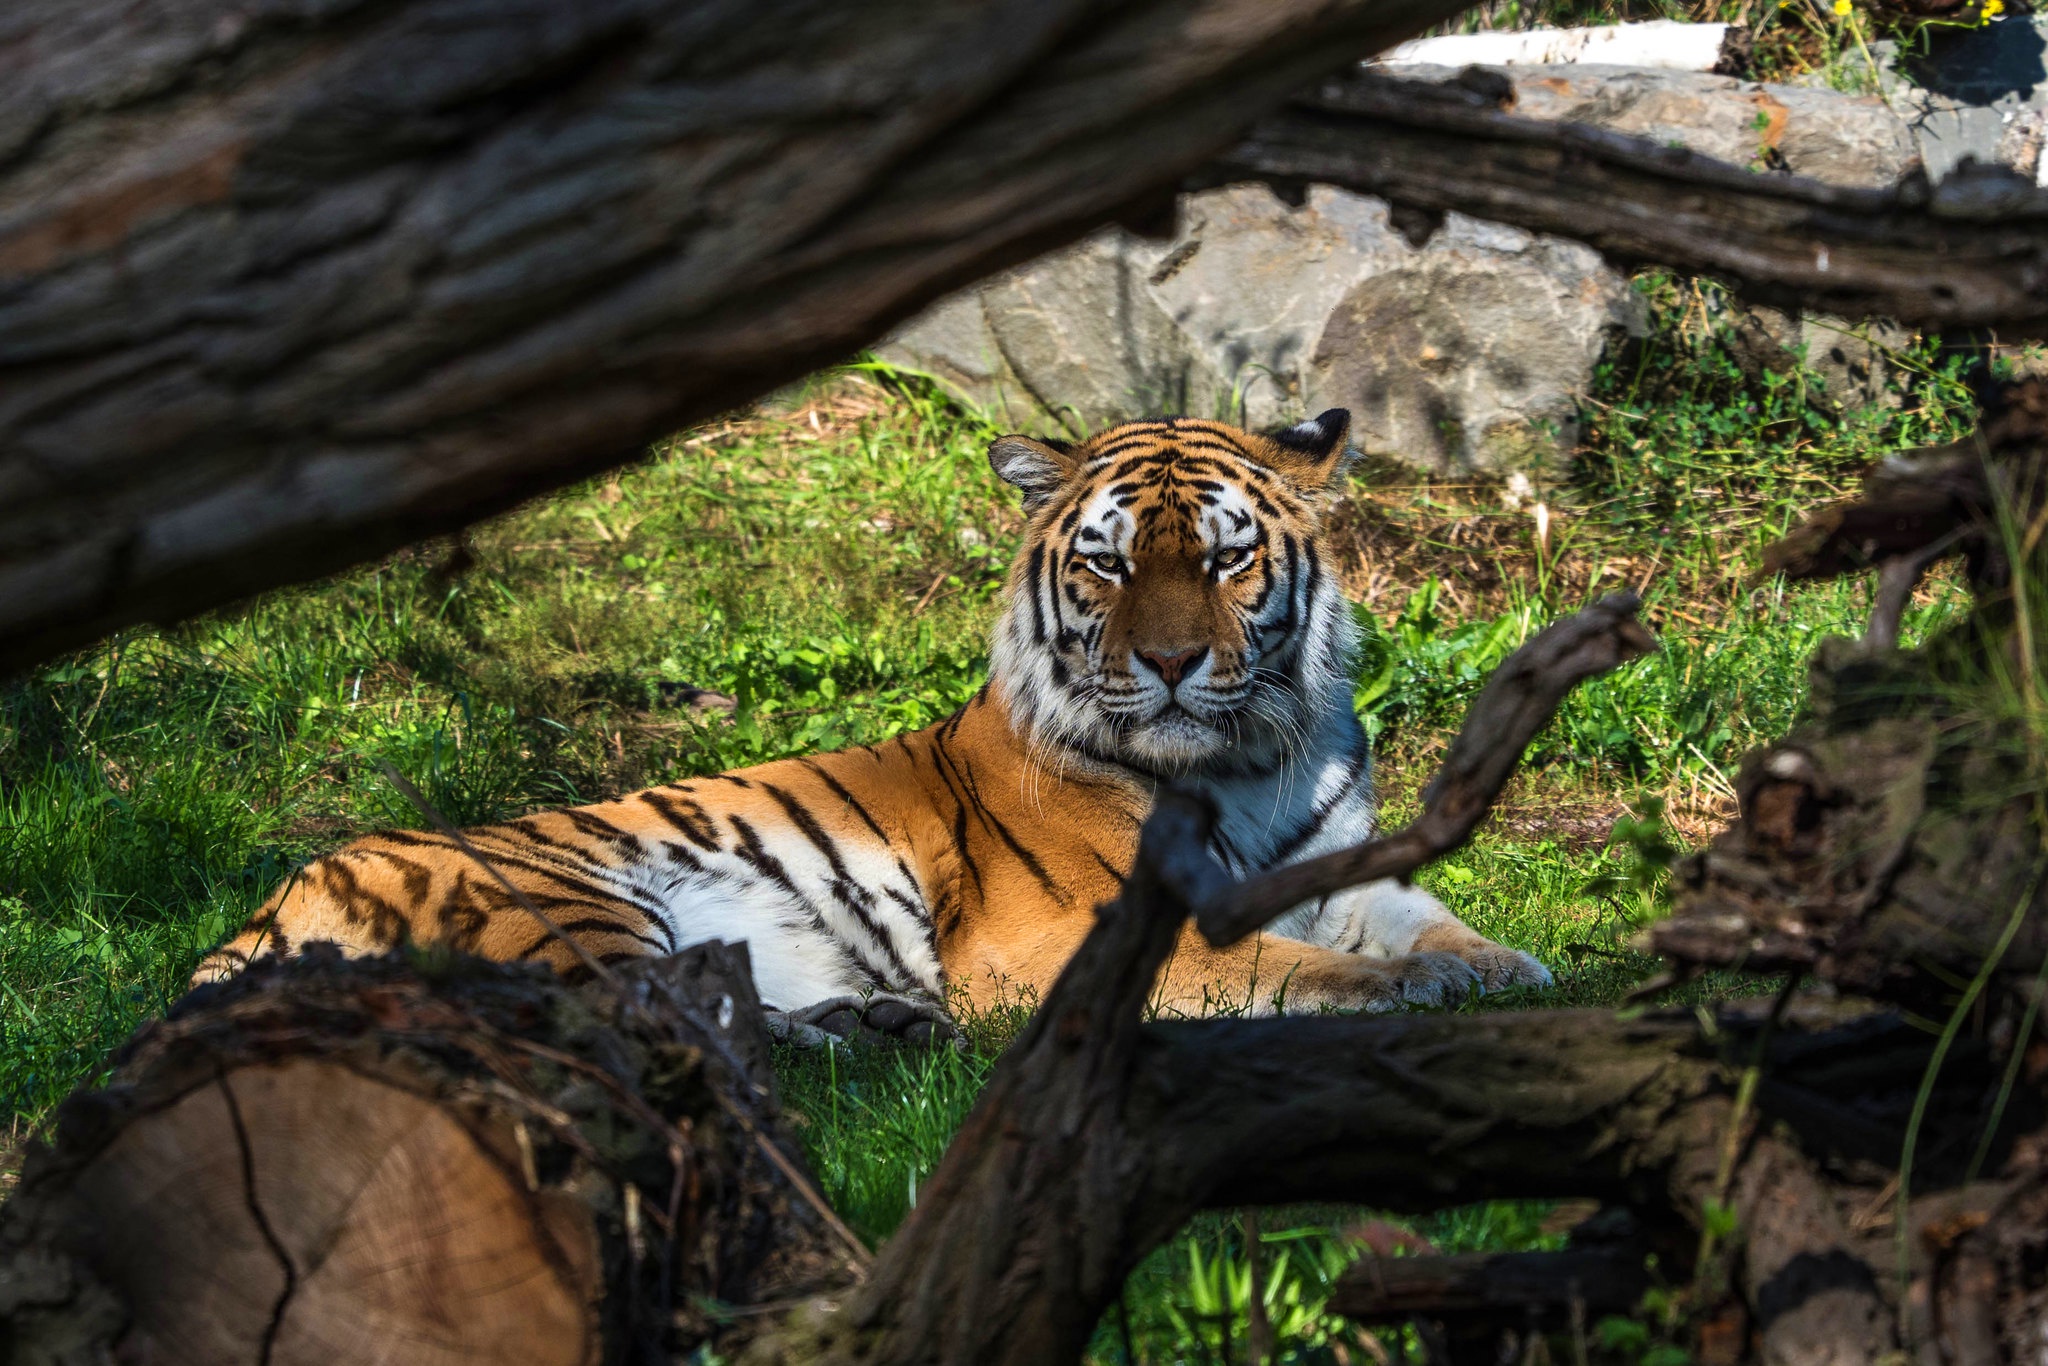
[(1173, 667)]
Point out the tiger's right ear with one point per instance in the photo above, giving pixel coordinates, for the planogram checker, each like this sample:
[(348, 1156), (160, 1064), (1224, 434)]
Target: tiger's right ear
[(1037, 466)]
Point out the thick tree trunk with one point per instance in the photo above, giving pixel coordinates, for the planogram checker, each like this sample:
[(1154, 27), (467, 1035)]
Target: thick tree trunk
[(285, 286), (320, 1161)]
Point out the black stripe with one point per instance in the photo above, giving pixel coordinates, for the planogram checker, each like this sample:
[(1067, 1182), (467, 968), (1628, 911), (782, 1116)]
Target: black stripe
[(1033, 571), (839, 791), (1359, 759), (848, 892), (584, 889), (588, 924), (1001, 831), (624, 841), (687, 816)]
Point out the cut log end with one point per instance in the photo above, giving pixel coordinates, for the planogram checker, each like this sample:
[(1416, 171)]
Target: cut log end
[(300, 1212), (330, 1162)]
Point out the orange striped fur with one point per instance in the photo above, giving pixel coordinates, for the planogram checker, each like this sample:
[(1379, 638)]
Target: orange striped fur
[(1171, 617)]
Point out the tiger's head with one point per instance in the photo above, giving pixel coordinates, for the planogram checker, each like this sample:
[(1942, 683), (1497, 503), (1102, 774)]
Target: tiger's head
[(1172, 609)]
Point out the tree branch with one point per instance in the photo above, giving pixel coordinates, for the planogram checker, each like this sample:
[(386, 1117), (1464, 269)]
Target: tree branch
[(1971, 251)]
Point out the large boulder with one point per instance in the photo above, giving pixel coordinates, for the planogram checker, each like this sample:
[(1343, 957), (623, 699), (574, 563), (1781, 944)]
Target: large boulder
[(1468, 352)]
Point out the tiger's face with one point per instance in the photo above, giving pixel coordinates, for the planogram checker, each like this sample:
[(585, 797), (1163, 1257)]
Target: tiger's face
[(1172, 610)]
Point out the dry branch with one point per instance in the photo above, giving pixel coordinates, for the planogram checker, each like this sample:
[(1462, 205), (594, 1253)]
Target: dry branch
[(283, 287), (1971, 251), (1499, 1287)]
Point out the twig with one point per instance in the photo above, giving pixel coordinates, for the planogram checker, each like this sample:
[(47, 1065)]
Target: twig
[(1897, 577), (1517, 702), (1258, 1332)]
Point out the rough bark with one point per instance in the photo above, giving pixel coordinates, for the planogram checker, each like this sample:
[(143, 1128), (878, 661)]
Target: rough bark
[(284, 286), (1892, 843), (1971, 251), (321, 1159)]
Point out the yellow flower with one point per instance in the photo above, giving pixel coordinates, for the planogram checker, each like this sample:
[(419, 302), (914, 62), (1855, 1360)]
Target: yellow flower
[(1842, 7), (1993, 8)]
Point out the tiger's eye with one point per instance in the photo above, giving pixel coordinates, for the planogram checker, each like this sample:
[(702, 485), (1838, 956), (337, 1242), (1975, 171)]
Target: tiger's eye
[(1230, 557), (1107, 562)]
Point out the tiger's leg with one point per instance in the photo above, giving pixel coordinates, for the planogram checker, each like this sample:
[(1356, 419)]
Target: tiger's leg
[(1267, 974), (1386, 919)]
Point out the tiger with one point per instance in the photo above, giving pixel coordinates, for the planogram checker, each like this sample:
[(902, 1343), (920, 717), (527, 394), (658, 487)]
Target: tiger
[(1172, 617)]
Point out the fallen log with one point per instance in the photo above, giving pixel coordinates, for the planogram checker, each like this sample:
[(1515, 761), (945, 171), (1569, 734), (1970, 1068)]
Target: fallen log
[(283, 288), (327, 1162)]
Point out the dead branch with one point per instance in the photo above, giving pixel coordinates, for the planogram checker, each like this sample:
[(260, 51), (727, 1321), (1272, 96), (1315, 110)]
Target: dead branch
[(1971, 251), (1500, 1288)]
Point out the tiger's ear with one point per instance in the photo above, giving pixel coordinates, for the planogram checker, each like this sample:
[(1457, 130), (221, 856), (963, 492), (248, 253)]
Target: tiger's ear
[(1035, 465), (1315, 452)]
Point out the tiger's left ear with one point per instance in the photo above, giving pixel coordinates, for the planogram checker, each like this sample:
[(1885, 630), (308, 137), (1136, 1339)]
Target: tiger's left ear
[(1317, 450), (1037, 466)]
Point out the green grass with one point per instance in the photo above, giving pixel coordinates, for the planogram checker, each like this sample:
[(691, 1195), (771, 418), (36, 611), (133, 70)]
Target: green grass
[(833, 564)]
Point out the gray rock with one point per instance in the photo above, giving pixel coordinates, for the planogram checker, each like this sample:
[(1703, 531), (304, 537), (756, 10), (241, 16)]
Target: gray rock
[(1468, 353), (1853, 361), (1465, 353), (1978, 93)]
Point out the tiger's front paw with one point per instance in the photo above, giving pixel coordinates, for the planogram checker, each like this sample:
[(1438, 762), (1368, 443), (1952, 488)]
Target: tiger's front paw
[(1500, 967), (1428, 979), (1497, 965), (876, 1017)]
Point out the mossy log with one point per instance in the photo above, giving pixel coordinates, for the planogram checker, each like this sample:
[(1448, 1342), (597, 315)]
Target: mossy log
[(329, 1162)]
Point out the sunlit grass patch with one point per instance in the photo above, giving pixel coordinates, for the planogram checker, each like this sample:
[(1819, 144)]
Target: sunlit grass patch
[(831, 565)]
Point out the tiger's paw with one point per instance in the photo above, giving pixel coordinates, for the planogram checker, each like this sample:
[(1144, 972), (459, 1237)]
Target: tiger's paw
[(1426, 979), (879, 1017), (1500, 967)]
